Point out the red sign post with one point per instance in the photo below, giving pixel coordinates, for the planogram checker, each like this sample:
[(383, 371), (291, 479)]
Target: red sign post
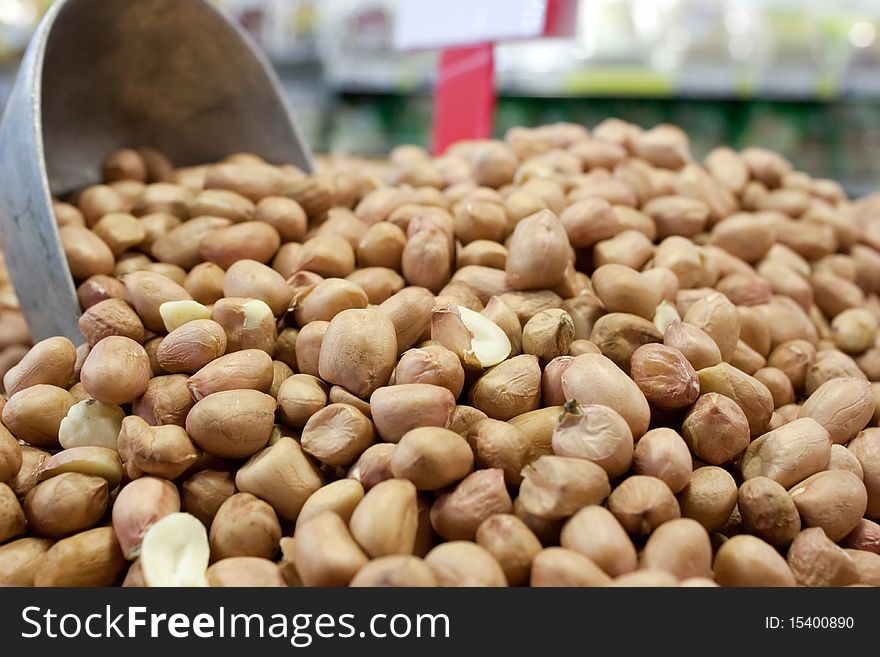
[(467, 30)]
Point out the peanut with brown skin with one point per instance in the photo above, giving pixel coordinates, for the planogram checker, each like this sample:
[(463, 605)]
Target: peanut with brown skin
[(595, 433), (322, 302), (379, 283), (232, 423), (110, 317), (282, 475), (641, 503), (166, 400), (555, 487), (680, 547), (249, 369), (584, 312), (551, 380), (867, 565), (374, 465), (147, 291), (21, 559), (794, 358), (399, 408), (538, 252), (35, 414), (12, 517), (244, 526), (251, 279), (222, 203), (283, 214), (624, 290), (498, 444), (381, 246), (512, 544), (66, 504), (663, 454), (649, 577), (385, 521), (32, 459), (116, 371), (138, 506), (866, 448), (866, 536), (434, 365), (248, 323), (50, 362), (589, 221), (90, 558), (843, 459), (300, 397), (10, 456), (87, 255), (779, 385), (341, 496), (560, 567), (366, 332), (843, 406), (155, 225), (548, 334), (325, 553), (205, 282), (432, 458), (768, 511), (163, 451), (694, 344), (396, 571), (830, 365), (751, 395), (280, 373), (596, 533), (709, 497), (457, 514), (748, 561), (163, 197), (619, 335), (834, 500), (594, 379), (337, 434), (816, 561), (715, 429), (463, 563), (189, 348), (204, 493), (509, 389), (410, 312), (425, 260), (665, 376), (789, 454), (245, 571)]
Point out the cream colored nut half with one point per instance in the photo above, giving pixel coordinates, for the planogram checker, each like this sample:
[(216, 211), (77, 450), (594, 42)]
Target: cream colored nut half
[(177, 313), (175, 552), (91, 423)]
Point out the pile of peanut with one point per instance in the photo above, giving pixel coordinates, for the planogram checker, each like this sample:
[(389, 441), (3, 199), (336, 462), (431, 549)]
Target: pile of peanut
[(15, 338), (564, 358)]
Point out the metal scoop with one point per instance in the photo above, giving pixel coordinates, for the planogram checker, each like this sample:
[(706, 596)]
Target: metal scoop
[(98, 75)]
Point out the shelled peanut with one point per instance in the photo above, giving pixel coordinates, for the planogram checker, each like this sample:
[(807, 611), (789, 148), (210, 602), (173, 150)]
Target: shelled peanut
[(566, 358)]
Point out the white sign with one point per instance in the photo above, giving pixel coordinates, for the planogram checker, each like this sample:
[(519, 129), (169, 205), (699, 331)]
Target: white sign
[(422, 24)]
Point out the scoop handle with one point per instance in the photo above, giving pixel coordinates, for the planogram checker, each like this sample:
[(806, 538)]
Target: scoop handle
[(34, 257)]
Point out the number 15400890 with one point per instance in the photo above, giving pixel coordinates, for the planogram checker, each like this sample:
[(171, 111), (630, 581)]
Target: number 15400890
[(809, 622)]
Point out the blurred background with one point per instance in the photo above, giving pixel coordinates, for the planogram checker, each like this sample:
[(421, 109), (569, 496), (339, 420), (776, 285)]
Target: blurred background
[(798, 76)]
